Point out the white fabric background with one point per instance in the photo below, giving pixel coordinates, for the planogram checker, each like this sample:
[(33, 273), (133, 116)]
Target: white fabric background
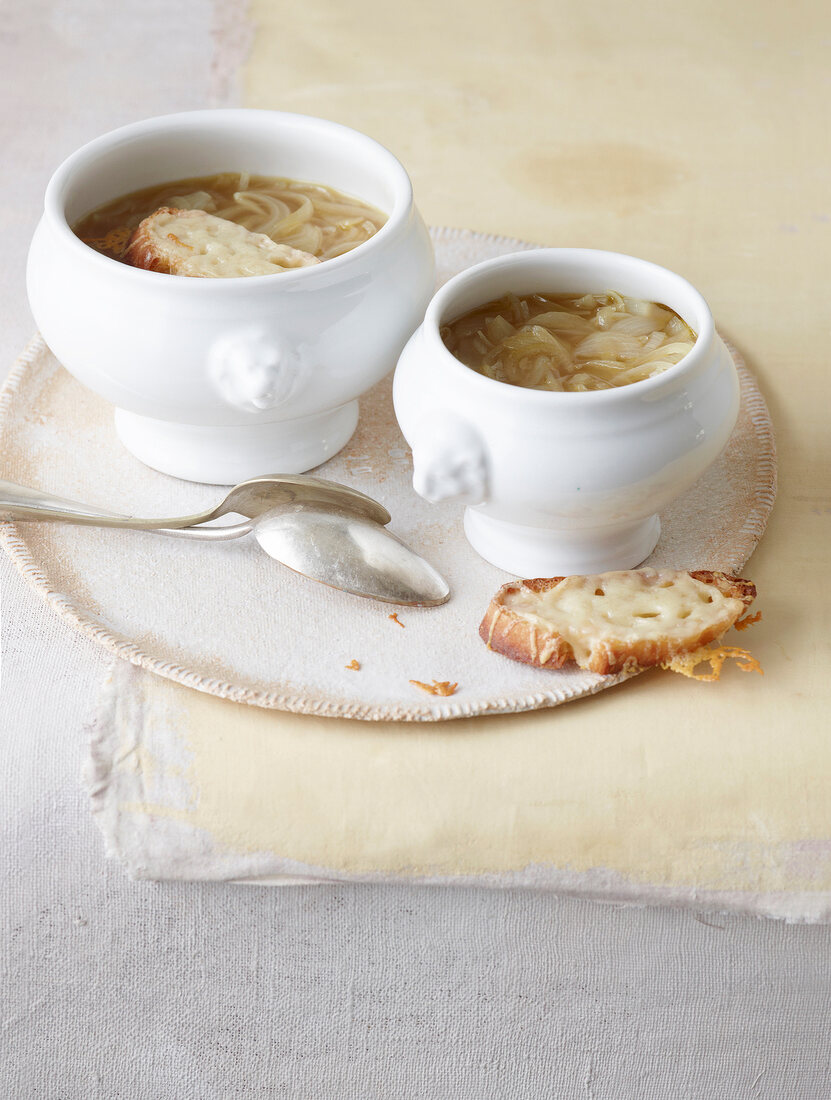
[(111, 988)]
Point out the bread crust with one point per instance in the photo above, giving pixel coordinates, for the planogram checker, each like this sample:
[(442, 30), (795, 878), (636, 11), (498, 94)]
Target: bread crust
[(141, 251), (521, 639)]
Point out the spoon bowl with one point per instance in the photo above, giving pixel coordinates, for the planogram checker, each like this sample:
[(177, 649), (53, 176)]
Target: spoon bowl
[(349, 552)]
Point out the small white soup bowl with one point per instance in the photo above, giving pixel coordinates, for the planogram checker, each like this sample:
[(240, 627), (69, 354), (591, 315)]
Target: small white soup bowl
[(217, 380), (558, 483)]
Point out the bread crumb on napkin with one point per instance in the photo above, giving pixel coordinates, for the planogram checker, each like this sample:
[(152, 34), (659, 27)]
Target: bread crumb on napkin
[(438, 687)]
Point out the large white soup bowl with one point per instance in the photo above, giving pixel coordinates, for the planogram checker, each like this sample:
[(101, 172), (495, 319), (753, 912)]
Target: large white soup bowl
[(559, 483), (220, 379)]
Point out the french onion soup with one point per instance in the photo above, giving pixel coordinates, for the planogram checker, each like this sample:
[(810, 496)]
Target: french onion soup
[(231, 224), (569, 343)]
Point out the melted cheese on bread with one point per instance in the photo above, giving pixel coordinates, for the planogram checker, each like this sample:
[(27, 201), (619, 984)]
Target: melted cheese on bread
[(192, 242), (625, 610)]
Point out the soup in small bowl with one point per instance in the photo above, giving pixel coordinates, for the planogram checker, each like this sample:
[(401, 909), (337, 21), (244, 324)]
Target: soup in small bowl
[(218, 378), (563, 443), (568, 343)]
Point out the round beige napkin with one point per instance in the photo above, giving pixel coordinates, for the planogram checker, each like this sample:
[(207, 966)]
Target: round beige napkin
[(226, 619)]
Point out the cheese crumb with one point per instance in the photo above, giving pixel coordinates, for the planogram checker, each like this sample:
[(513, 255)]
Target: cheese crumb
[(686, 663), (748, 620)]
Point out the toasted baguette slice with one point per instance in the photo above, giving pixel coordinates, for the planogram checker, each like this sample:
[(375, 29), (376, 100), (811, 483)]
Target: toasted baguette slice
[(611, 621), (191, 242)]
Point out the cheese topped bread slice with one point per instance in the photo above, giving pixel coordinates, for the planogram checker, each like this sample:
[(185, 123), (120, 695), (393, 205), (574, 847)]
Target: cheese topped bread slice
[(609, 622), (192, 242)]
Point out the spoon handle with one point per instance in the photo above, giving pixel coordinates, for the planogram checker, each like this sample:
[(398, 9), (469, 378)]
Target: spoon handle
[(208, 534), (22, 502)]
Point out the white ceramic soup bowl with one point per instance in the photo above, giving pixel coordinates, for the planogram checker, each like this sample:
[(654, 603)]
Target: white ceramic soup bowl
[(217, 380), (559, 483)]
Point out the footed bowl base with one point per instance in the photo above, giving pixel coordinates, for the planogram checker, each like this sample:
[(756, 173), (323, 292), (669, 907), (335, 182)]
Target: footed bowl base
[(221, 455), (543, 552)]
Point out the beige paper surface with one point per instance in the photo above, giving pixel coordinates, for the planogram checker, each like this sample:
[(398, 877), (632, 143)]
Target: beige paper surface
[(186, 786)]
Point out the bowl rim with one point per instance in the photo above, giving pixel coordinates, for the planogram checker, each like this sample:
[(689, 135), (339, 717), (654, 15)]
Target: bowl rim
[(557, 257), (83, 157)]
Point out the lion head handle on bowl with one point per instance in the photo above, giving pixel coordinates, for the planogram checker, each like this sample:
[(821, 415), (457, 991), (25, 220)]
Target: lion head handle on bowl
[(253, 370), (450, 461)]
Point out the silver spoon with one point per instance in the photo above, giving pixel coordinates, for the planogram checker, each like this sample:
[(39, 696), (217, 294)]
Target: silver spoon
[(249, 498), (339, 548), (328, 532)]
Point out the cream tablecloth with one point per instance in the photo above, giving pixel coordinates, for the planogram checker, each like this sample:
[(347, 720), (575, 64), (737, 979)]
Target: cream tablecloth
[(691, 134)]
